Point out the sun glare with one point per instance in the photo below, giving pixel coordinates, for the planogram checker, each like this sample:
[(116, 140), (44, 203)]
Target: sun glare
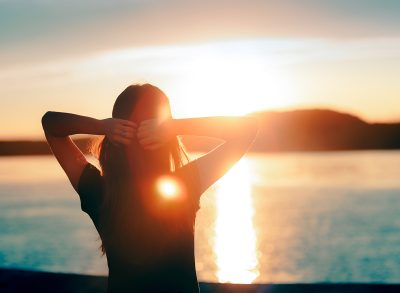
[(235, 239), (205, 79), (219, 84)]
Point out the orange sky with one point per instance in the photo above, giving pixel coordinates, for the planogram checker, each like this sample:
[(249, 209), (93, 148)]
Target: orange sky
[(211, 58)]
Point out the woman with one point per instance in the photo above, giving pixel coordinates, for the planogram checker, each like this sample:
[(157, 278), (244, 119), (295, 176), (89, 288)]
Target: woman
[(147, 236)]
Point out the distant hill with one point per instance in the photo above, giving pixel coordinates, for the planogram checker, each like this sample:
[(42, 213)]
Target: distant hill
[(300, 130), (315, 130), (322, 130)]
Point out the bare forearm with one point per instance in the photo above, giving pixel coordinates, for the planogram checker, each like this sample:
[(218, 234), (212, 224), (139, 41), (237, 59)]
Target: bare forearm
[(64, 124), (225, 128)]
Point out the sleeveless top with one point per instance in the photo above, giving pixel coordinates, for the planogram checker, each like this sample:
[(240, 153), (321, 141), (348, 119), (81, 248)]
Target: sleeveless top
[(153, 250)]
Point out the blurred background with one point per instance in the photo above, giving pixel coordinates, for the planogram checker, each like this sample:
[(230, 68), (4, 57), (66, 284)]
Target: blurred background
[(317, 198)]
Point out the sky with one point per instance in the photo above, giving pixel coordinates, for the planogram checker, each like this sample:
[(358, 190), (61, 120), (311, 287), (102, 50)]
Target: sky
[(210, 57)]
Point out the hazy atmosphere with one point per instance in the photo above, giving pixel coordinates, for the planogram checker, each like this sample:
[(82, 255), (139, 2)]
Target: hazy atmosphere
[(251, 55), (302, 194)]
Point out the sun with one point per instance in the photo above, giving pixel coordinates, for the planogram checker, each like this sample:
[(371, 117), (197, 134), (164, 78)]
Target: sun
[(223, 85), (210, 79)]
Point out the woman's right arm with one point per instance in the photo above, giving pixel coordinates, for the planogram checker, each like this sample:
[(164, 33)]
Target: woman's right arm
[(59, 126), (237, 133)]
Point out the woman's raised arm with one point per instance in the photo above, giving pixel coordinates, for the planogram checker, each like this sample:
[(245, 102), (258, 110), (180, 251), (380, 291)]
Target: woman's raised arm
[(59, 126), (237, 133)]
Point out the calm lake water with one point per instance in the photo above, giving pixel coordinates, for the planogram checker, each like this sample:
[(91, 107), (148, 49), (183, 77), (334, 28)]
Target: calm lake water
[(294, 217)]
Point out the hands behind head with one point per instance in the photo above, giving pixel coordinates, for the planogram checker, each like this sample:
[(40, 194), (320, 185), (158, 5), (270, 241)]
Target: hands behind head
[(151, 134), (119, 131)]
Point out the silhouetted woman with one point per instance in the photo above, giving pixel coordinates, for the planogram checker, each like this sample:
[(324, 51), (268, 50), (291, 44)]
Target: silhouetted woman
[(144, 200)]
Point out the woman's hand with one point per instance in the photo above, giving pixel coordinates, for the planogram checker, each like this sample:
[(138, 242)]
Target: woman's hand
[(153, 133), (119, 131)]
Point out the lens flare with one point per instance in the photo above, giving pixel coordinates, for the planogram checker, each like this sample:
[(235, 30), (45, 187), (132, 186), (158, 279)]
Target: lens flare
[(169, 188)]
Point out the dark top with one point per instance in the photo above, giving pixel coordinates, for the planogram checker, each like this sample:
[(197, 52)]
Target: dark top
[(154, 249)]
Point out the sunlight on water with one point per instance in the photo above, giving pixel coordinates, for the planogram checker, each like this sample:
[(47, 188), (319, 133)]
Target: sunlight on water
[(235, 238), (274, 218)]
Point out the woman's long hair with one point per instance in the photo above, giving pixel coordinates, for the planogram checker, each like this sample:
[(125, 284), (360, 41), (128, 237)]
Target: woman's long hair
[(122, 181)]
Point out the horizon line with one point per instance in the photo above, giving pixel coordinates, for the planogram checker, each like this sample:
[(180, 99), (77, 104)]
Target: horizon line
[(339, 110)]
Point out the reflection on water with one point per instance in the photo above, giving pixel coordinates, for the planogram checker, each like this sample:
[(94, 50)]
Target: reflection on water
[(313, 217), (235, 238)]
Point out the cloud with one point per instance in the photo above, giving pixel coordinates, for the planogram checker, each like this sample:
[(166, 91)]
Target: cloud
[(37, 30)]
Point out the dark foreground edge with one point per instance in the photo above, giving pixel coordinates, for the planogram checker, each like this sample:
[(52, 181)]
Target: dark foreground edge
[(12, 280)]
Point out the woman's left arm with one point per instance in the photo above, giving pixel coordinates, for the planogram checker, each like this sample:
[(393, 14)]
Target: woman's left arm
[(59, 126)]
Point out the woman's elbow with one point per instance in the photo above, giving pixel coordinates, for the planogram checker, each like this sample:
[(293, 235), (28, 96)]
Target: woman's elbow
[(46, 120)]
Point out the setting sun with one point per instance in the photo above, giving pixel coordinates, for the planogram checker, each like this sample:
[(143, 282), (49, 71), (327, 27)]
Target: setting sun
[(216, 78), (220, 84), (200, 146)]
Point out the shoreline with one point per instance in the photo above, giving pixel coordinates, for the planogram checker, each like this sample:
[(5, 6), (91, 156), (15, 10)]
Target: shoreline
[(44, 151), (18, 280)]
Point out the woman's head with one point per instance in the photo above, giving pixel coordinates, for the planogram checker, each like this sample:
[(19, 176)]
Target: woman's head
[(126, 167), (141, 102), (137, 103)]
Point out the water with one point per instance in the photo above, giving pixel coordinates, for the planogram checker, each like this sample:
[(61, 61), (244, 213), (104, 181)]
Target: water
[(294, 217)]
